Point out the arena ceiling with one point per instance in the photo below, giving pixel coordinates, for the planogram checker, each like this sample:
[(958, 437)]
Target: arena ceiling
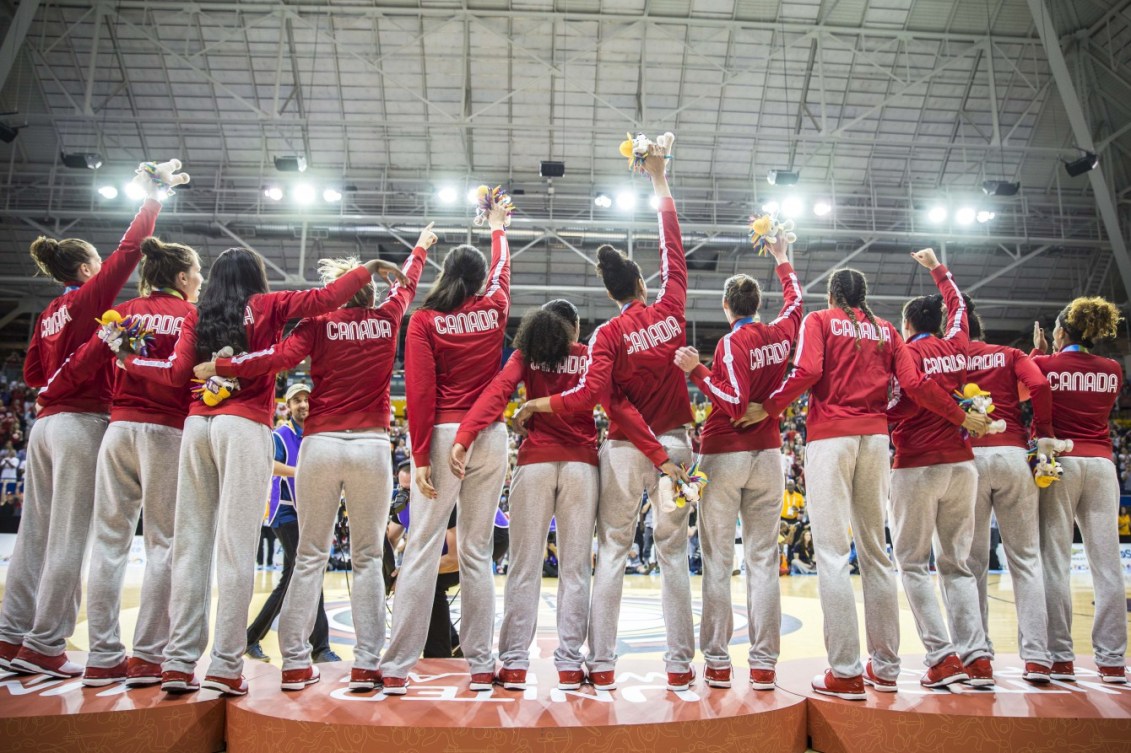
[(885, 109)]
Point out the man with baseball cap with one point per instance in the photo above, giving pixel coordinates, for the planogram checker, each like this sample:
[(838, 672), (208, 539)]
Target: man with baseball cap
[(283, 519)]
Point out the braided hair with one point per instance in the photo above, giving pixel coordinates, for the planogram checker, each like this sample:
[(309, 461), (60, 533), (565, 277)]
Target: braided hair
[(848, 289)]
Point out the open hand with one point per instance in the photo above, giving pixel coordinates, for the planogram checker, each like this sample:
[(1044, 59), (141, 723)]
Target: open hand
[(976, 424), (498, 218), (457, 460), (754, 414), (424, 481)]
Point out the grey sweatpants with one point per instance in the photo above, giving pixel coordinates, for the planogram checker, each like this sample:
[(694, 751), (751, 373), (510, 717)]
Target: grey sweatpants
[(848, 490), (935, 503), (1006, 489), (626, 473), (44, 586), (135, 470), (358, 466), (1089, 495), (568, 492), (225, 474), (478, 495), (749, 485)]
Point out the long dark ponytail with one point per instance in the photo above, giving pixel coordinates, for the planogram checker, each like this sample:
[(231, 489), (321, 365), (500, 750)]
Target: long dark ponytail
[(545, 335), (236, 275), (849, 290), (463, 274)]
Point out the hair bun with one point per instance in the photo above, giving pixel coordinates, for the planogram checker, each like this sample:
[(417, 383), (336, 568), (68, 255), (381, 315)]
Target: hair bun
[(43, 248), (609, 258), (151, 246)]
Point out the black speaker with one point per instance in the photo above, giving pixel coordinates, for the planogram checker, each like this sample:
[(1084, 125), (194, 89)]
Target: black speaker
[(551, 169)]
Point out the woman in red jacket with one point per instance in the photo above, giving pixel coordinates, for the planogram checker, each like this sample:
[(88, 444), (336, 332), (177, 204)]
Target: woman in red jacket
[(452, 351), (226, 459), (345, 452), (1084, 390), (41, 597), (847, 357), (556, 477), (1006, 490), (631, 354), (134, 471)]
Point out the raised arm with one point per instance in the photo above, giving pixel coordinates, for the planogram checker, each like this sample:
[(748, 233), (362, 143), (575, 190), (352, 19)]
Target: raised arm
[(279, 357), (808, 366), (788, 322), (499, 273), (1040, 393), (176, 370), (672, 297), (99, 292), (491, 403), (292, 304), (957, 325), (399, 296)]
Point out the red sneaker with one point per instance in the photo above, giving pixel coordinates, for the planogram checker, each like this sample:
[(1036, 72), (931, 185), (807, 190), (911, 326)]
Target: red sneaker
[(570, 679), (681, 680), (297, 679), (141, 672), (8, 652), (848, 688), (179, 682), (482, 681), (364, 679), (1116, 675), (717, 677), (876, 682), (1036, 672), (763, 679), (97, 677), (30, 662), (226, 685), (512, 679), (946, 672), (981, 672), (604, 680), (1063, 670), (394, 685)]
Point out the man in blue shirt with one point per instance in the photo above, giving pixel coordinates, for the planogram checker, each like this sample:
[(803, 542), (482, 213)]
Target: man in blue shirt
[(284, 520)]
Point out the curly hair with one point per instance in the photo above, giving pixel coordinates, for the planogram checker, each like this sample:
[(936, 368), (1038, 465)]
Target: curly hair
[(1089, 319), (331, 269), (236, 275), (545, 335), (848, 289), (618, 272)]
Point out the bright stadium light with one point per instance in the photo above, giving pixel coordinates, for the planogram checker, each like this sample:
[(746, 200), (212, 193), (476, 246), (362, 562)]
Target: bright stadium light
[(937, 214), (134, 191), (473, 196), (108, 192), (603, 201), (985, 216), (274, 193), (965, 215), (331, 195), (791, 206), (303, 193), (821, 208), (770, 207), (626, 201), (447, 195)]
